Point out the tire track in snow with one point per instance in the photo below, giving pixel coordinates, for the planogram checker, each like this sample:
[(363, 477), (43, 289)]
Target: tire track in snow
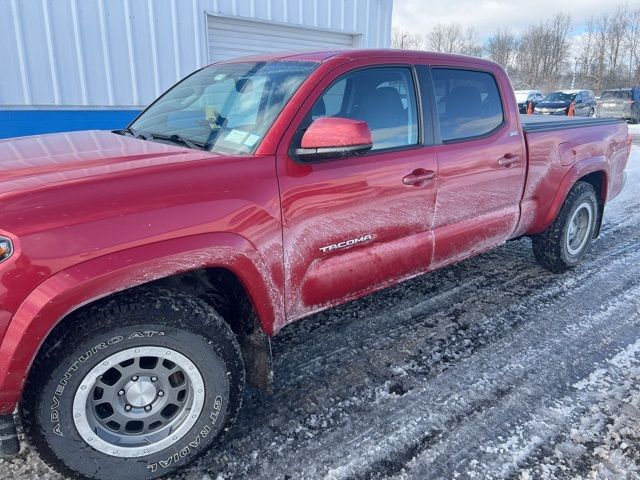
[(601, 431), (474, 447), (446, 417)]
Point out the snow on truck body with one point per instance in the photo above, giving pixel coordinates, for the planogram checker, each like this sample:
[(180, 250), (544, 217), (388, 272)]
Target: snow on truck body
[(268, 188)]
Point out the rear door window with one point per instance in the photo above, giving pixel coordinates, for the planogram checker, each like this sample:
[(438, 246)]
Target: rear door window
[(468, 103), (616, 95)]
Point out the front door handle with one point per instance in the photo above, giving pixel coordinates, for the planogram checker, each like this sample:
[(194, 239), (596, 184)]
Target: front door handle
[(509, 160), (419, 177)]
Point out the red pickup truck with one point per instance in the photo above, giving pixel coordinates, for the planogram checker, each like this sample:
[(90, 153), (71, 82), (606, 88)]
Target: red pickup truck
[(144, 271)]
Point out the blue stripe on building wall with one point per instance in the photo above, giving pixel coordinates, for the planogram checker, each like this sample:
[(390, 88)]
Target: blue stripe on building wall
[(17, 123)]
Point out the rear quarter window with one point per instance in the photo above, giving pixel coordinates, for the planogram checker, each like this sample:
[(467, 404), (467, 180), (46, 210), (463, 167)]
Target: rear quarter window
[(616, 95), (468, 103)]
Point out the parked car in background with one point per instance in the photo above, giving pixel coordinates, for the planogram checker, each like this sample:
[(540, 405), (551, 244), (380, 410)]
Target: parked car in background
[(557, 103), (523, 97), (620, 103)]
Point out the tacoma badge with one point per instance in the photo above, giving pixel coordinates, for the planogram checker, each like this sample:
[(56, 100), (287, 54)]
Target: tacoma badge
[(347, 243)]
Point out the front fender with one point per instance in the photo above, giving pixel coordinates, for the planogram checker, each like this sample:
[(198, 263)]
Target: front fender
[(81, 284), (584, 167)]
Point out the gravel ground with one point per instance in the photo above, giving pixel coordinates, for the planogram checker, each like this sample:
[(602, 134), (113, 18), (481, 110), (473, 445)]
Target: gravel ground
[(492, 368)]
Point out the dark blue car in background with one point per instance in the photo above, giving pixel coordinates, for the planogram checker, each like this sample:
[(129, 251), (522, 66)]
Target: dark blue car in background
[(557, 103)]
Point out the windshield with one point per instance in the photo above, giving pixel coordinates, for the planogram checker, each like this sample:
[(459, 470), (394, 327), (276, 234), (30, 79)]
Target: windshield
[(521, 96), (560, 97), (616, 95), (224, 108)]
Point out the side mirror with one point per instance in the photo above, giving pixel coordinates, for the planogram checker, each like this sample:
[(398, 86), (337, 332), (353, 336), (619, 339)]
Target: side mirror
[(334, 137)]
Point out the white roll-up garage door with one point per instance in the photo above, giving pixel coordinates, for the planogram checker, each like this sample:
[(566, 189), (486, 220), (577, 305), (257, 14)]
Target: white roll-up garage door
[(236, 37)]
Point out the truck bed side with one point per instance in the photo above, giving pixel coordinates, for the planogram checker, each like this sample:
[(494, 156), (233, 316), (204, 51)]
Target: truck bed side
[(560, 152)]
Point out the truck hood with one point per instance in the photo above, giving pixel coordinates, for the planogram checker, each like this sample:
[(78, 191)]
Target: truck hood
[(552, 104), (39, 161)]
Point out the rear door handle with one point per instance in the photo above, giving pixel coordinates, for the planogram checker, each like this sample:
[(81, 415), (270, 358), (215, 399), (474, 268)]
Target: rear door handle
[(419, 177), (509, 160)]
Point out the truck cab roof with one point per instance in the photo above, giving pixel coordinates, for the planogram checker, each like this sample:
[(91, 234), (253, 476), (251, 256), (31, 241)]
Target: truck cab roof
[(361, 54)]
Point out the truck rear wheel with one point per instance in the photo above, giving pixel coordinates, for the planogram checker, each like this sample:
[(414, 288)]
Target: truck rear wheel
[(136, 388), (565, 242)]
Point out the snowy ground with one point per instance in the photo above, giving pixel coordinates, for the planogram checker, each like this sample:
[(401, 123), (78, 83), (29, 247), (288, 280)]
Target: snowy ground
[(493, 368)]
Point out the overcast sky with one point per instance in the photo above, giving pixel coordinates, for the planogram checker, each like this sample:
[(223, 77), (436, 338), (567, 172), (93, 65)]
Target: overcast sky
[(489, 15)]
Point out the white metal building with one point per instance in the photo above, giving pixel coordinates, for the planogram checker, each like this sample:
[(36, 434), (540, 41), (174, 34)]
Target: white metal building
[(92, 54)]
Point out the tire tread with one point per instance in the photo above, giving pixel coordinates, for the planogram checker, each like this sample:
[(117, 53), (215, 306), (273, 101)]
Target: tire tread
[(547, 246)]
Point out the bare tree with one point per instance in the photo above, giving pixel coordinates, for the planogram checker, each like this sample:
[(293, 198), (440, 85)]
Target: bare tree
[(445, 37), (601, 32), (616, 43), (471, 44), (633, 47), (502, 48), (543, 51), (405, 40), (609, 50), (454, 38), (587, 49)]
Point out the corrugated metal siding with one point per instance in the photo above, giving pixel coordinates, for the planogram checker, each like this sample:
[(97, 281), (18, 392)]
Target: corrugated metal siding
[(93, 53), (261, 36)]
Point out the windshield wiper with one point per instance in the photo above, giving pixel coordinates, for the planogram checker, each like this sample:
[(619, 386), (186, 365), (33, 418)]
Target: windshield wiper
[(178, 140), (133, 133)]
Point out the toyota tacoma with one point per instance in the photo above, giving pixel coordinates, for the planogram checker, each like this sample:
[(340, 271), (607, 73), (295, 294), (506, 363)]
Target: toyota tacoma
[(143, 272)]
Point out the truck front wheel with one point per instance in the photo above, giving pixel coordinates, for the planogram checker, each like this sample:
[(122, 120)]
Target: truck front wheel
[(565, 242), (135, 388)]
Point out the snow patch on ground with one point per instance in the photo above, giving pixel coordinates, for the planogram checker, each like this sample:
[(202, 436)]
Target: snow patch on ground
[(603, 435)]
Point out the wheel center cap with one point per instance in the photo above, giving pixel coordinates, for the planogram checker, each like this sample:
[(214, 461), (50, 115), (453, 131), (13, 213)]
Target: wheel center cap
[(140, 393)]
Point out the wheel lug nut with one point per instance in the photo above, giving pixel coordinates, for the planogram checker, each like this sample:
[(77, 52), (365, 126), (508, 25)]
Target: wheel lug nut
[(134, 378), (154, 379), (127, 408), (147, 408), (121, 392), (161, 393)]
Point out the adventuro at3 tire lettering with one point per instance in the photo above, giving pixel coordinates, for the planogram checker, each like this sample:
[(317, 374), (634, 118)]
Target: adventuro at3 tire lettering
[(143, 384)]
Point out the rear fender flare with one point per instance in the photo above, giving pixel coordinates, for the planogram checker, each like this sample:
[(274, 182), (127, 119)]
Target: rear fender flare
[(84, 283), (580, 170)]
